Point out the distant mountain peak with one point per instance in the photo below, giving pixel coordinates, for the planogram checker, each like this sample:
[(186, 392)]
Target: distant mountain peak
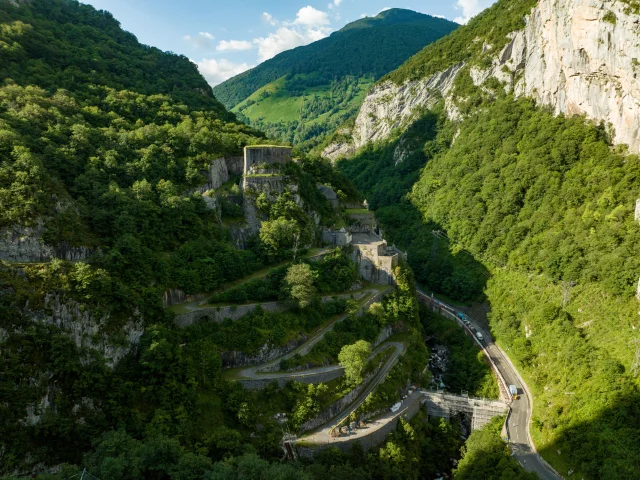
[(391, 16)]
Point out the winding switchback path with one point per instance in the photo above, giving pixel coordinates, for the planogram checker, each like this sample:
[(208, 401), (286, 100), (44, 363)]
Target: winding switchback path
[(263, 371), (520, 417), (322, 435)]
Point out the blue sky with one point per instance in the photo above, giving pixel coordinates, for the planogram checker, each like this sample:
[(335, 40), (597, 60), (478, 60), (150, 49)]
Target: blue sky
[(227, 37)]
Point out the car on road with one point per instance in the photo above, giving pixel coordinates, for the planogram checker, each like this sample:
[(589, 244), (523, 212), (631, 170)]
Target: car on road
[(479, 336)]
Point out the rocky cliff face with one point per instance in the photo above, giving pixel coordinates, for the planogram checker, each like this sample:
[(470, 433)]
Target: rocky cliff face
[(85, 329), (580, 57), (25, 244)]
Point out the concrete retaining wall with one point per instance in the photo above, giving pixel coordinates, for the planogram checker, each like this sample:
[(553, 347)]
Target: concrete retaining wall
[(268, 155), (337, 407), (218, 314), (369, 441)]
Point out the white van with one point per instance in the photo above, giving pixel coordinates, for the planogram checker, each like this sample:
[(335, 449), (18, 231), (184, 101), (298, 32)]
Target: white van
[(479, 336)]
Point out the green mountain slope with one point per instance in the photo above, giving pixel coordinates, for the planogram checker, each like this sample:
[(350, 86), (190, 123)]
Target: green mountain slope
[(65, 44), (534, 215), (302, 94)]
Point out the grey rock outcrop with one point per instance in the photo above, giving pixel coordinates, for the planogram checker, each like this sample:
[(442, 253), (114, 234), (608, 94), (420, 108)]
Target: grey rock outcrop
[(85, 329), (25, 244), (218, 173), (579, 57), (389, 106), (267, 353)]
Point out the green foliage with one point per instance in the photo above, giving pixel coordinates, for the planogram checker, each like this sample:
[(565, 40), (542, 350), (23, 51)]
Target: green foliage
[(303, 95), (309, 405), (529, 190), (486, 456), (573, 349), (397, 33), (467, 369), (631, 6), (297, 110), (490, 27), (335, 272), (105, 180), (262, 289), (251, 332), (375, 172), (280, 234), (65, 44), (610, 17), (299, 282), (353, 358)]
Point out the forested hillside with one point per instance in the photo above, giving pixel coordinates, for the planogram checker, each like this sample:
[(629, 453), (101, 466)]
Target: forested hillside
[(103, 145), (532, 214), (303, 94), (65, 44)]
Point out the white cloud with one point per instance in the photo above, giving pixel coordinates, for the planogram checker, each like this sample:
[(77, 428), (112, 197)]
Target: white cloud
[(203, 40), (285, 39), (234, 45), (470, 8), (311, 17), (334, 4), (268, 19), (309, 26), (217, 71)]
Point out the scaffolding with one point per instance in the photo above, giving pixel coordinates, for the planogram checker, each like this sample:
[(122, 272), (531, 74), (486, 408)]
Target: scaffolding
[(446, 405)]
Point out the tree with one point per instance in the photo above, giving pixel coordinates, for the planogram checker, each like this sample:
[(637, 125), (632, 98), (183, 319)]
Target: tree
[(353, 358), (279, 233), (377, 310), (299, 281)]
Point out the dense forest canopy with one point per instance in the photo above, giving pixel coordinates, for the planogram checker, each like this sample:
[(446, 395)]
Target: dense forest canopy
[(533, 215), (66, 44)]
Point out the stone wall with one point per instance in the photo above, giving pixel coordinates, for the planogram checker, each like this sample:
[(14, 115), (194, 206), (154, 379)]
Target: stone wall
[(235, 165), (369, 271), (374, 438), (218, 314), (336, 237), (364, 219), (174, 296), (269, 155)]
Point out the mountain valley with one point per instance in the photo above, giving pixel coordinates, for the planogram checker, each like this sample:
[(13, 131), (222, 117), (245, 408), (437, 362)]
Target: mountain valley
[(408, 250)]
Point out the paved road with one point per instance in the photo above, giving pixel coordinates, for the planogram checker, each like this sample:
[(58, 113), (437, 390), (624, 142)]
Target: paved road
[(322, 434), (518, 425), (254, 372)]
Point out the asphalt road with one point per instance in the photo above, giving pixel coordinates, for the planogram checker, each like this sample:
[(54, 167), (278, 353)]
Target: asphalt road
[(518, 425), (322, 435), (262, 371)]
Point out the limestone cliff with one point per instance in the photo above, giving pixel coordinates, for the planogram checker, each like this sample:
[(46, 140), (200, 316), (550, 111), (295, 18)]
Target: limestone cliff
[(576, 56), (85, 329), (25, 244)]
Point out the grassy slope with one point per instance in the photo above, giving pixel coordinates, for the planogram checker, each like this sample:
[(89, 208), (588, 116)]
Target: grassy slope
[(282, 105)]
